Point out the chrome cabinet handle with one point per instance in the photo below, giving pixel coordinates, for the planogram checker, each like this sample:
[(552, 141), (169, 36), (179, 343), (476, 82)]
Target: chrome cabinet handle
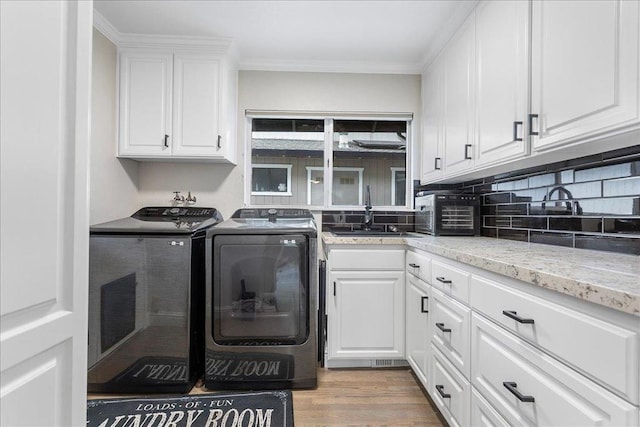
[(422, 309), (514, 315), (511, 386), (442, 328), (443, 280), (444, 395)]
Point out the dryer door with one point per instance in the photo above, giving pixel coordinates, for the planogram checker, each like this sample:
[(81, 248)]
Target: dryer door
[(260, 289)]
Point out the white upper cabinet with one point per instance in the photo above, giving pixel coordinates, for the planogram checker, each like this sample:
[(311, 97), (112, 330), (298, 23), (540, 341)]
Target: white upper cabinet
[(459, 64), (502, 73), (146, 80), (176, 105), (584, 70), (432, 106)]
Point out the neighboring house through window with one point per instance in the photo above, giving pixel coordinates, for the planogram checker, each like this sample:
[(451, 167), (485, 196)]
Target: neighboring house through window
[(327, 161)]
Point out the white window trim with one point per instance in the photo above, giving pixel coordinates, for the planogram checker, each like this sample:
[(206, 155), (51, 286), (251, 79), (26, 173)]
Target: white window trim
[(394, 171), (329, 117), (273, 166)]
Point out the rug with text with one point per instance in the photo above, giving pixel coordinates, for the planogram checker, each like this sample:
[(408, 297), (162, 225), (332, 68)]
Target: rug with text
[(246, 409)]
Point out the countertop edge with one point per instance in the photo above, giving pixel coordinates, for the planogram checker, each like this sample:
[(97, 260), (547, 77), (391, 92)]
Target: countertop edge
[(519, 268)]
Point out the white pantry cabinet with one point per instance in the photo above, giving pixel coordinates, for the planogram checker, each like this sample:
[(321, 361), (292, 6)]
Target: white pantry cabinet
[(365, 307), (176, 106), (585, 77)]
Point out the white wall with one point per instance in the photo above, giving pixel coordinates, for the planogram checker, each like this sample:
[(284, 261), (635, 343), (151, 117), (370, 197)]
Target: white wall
[(113, 182), (221, 186)]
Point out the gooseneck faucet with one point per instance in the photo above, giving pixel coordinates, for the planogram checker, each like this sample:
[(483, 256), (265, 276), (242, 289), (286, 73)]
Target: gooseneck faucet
[(368, 215)]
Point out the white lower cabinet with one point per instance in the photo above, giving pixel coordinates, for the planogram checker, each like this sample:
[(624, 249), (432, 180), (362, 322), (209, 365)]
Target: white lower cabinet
[(529, 388), (483, 414), (450, 390), (365, 308), (450, 329), (503, 352), (417, 327)]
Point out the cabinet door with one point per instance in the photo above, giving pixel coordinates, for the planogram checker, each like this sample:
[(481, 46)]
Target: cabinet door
[(502, 61), (197, 105), (145, 104), (584, 69), (417, 324), (366, 315), (432, 105), (459, 64), (450, 390)]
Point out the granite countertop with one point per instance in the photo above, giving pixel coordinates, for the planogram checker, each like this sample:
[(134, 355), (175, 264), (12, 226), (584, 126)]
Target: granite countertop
[(606, 278)]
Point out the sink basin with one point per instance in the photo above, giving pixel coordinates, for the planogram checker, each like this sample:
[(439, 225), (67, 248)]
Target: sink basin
[(369, 233)]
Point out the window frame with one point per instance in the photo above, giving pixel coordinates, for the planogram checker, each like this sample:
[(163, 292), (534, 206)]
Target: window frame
[(394, 172), (286, 166), (329, 118), (340, 169)]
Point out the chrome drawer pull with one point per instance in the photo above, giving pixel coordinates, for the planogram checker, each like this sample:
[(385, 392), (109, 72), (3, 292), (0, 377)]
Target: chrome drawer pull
[(511, 386), (444, 395), (514, 315), (443, 280), (422, 309), (442, 328)]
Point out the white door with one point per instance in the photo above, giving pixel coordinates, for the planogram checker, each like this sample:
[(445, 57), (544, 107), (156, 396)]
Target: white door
[(585, 73), (196, 110), (502, 64), (145, 104), (459, 72), (45, 75)]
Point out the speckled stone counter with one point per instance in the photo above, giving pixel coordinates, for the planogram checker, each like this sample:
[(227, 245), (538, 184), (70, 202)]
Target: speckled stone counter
[(604, 278)]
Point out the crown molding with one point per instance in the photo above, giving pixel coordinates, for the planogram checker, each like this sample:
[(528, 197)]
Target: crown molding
[(447, 31), (101, 24), (357, 67)]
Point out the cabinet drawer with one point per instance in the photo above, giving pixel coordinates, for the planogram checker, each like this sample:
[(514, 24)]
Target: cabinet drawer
[(450, 329), (450, 280), (529, 388), (483, 414), (346, 259), (450, 391), (577, 338), (419, 265)]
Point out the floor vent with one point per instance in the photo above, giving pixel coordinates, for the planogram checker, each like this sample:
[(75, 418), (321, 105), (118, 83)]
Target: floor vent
[(384, 363)]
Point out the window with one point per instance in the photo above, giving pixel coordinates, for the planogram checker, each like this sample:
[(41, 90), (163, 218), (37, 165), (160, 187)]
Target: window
[(327, 161), (271, 180)]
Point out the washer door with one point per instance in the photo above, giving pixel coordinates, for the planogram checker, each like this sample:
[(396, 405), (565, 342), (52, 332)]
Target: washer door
[(260, 289)]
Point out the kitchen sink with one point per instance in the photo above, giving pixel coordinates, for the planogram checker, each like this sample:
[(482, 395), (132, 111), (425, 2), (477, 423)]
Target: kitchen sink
[(370, 233)]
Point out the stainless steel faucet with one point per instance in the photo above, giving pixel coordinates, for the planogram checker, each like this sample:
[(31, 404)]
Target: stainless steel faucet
[(368, 215)]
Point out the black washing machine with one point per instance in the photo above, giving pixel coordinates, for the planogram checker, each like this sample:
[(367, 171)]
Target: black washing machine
[(146, 293), (261, 309)]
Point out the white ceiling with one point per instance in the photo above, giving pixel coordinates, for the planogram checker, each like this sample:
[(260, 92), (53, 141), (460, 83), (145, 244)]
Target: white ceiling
[(394, 36)]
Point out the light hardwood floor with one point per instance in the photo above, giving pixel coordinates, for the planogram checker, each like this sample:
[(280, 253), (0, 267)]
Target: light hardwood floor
[(358, 397), (364, 397)]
